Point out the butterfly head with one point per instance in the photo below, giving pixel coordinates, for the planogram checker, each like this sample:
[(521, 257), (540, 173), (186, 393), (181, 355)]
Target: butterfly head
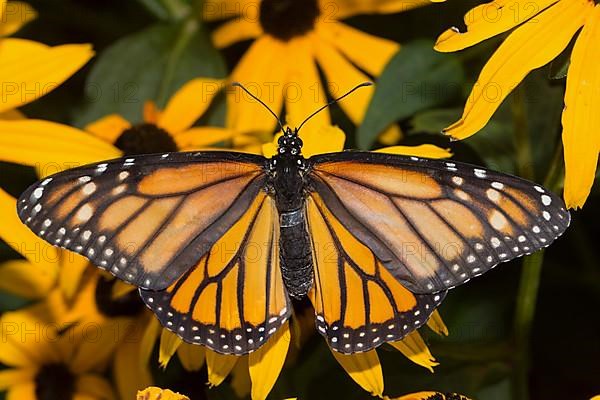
[(289, 143)]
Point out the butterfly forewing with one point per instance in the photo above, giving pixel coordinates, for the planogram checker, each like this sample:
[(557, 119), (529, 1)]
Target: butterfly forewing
[(436, 224), (147, 219), (234, 298), (358, 304)]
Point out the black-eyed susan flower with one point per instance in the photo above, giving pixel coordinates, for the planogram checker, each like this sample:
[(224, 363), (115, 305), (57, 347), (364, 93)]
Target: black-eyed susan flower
[(51, 147), (46, 359), (30, 69), (539, 37), (292, 40), (172, 129), (257, 372)]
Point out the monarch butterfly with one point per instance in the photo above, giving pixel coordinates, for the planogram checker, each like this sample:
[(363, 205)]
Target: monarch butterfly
[(220, 242)]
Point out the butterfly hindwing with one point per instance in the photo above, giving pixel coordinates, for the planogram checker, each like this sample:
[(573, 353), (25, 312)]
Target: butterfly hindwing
[(358, 304), (436, 224), (234, 299), (147, 219)]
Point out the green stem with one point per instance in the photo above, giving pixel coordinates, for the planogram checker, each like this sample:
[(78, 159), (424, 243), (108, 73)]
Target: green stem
[(177, 9), (530, 274), (188, 28), (524, 314)]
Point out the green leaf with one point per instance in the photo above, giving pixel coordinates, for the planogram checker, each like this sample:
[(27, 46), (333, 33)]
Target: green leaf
[(156, 7), (493, 143), (417, 78), (148, 65)]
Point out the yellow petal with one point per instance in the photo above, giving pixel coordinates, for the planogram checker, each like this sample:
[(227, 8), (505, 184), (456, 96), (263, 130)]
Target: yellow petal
[(429, 395), (345, 9), (169, 342), (23, 279), (24, 391), (43, 257), (14, 15), (202, 137), (191, 356), (94, 386), (343, 76), (270, 149), (304, 93), (154, 393), (490, 19), (121, 288), (97, 345), (17, 376), (265, 364), (23, 343), (13, 114), (188, 104), (234, 31), (413, 347), (219, 366), (580, 118), (49, 146), (527, 48), (391, 135), (423, 150), (262, 72), (130, 372), (240, 378), (151, 112), (436, 324), (364, 369), (371, 53), (31, 70), (108, 128), (325, 139)]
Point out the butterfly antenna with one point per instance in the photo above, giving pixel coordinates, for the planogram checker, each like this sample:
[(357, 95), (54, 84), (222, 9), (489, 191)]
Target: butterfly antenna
[(238, 84), (364, 84)]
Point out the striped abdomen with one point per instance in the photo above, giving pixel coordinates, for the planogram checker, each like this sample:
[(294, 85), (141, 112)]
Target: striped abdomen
[(295, 254)]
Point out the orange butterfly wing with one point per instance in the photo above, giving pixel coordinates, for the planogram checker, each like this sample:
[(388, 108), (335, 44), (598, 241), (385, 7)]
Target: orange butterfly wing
[(234, 298), (147, 219), (358, 304), (436, 224)]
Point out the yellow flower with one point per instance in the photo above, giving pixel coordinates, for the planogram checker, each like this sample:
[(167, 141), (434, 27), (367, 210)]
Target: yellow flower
[(154, 393), (539, 37), (46, 359), (257, 372), (51, 147), (74, 292), (172, 129), (292, 38), (30, 69)]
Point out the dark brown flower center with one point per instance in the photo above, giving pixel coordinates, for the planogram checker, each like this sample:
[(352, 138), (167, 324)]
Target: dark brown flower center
[(54, 382), (145, 139), (128, 305), (285, 19)]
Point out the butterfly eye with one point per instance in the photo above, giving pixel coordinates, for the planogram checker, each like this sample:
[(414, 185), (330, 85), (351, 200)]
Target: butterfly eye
[(282, 141)]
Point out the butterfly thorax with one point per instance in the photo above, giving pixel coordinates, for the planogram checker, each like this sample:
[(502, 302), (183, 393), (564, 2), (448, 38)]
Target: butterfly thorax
[(287, 172)]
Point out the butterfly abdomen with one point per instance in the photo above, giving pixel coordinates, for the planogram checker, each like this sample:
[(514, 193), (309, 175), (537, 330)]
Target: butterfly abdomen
[(295, 254)]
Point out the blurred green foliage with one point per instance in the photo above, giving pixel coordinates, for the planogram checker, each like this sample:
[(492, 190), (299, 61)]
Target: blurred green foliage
[(146, 49)]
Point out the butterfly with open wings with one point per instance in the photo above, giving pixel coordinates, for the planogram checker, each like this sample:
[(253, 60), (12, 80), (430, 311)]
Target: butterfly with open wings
[(219, 243)]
